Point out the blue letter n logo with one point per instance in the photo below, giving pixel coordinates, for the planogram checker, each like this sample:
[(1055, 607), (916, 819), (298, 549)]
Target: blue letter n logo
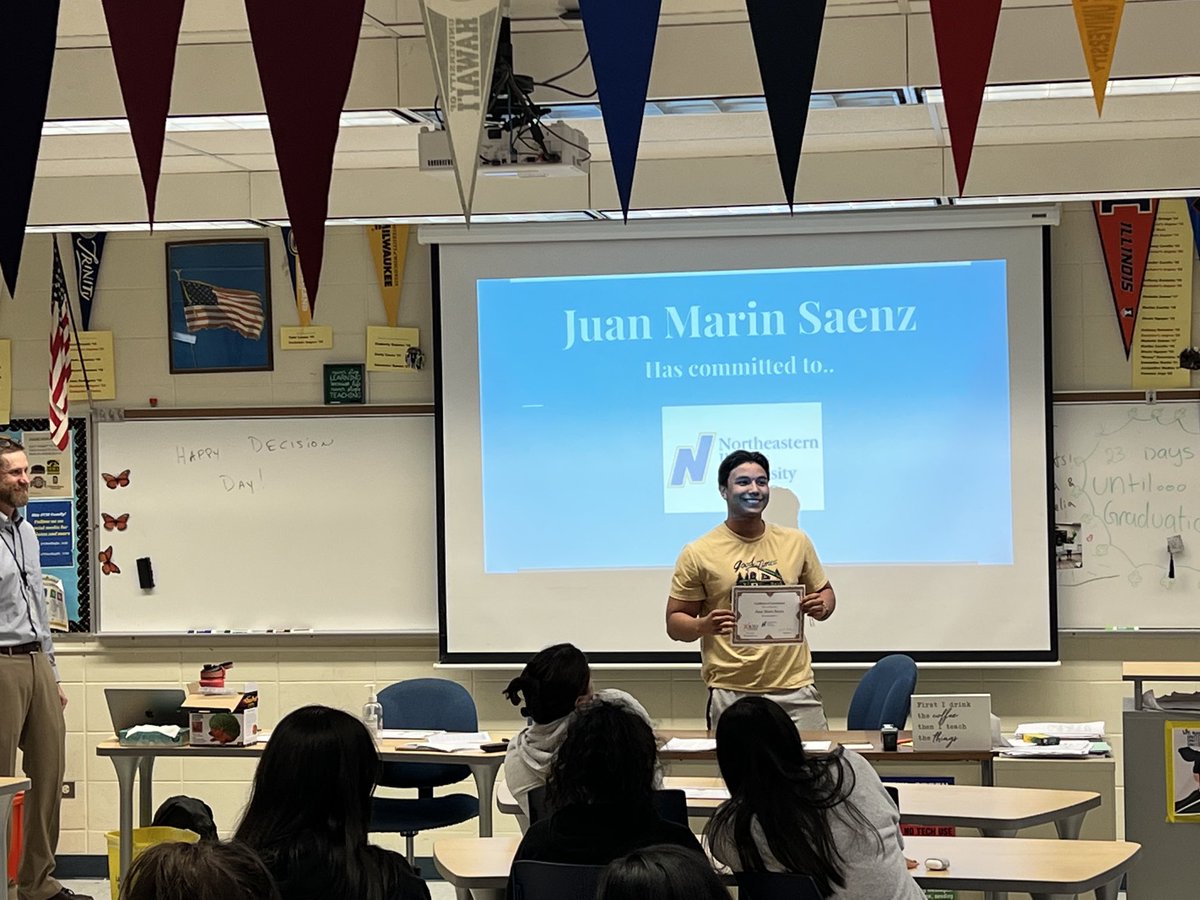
[(691, 464)]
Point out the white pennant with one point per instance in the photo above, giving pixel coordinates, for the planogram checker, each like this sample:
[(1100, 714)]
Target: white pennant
[(462, 37)]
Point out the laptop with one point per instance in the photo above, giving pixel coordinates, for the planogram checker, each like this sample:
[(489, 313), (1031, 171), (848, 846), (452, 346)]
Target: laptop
[(145, 706)]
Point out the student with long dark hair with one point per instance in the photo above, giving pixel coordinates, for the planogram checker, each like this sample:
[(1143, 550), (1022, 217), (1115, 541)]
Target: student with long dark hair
[(551, 685), (310, 810), (208, 870), (600, 793), (660, 872), (826, 816)]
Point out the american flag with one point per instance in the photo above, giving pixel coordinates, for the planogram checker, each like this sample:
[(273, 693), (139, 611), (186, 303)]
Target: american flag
[(60, 353), (208, 306)]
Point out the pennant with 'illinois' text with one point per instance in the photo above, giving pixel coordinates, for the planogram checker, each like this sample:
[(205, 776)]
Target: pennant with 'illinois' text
[(462, 37), (144, 37), (389, 250), (27, 33), (304, 309), (787, 37), (88, 249), (305, 53), (1099, 22), (620, 37), (1126, 228), (964, 34)]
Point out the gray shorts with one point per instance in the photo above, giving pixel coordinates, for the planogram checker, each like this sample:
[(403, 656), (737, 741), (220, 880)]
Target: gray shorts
[(803, 705)]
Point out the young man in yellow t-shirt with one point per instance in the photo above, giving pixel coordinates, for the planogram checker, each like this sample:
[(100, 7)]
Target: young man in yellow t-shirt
[(744, 549)]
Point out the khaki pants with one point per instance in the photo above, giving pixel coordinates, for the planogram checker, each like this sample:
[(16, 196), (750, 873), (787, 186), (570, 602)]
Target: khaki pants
[(31, 719), (803, 706)]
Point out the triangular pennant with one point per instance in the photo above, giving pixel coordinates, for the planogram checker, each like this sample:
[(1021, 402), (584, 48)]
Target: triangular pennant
[(964, 34), (462, 38), (304, 309), (26, 58), (787, 37), (88, 247), (620, 37), (1194, 214), (1099, 22), (144, 37), (305, 53), (1126, 228)]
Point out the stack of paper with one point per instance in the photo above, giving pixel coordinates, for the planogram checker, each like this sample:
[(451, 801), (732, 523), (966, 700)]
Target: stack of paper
[(689, 745), (451, 741), (1173, 701), (695, 793), (1079, 731), (408, 734), (1072, 749)]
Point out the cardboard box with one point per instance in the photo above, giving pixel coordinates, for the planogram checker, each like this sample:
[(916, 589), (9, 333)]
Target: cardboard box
[(229, 720)]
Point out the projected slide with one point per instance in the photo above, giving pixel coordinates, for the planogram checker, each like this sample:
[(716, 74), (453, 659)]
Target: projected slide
[(880, 394)]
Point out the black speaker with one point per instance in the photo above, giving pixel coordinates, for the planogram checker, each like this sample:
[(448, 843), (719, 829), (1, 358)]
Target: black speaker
[(145, 573)]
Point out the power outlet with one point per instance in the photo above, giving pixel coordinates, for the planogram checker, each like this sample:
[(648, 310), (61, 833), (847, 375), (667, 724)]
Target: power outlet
[(68, 790)]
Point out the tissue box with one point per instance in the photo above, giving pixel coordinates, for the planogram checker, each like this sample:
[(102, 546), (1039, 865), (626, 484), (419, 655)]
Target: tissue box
[(229, 720)]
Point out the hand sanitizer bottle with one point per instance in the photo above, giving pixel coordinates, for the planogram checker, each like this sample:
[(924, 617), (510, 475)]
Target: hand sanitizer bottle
[(372, 713)]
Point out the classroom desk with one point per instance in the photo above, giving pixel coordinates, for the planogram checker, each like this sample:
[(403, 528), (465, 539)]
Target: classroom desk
[(8, 788), (1047, 870), (1138, 672), (995, 811), (139, 761), (904, 755)]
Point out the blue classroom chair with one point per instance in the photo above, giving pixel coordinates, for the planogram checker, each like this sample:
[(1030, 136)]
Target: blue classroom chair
[(884, 694)]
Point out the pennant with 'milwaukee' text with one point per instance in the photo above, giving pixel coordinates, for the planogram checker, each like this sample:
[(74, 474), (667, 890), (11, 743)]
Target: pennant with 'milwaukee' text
[(1126, 228), (620, 37), (462, 37), (1194, 214), (304, 309), (305, 53), (964, 34), (1099, 22), (787, 37), (144, 37), (88, 249), (26, 58), (389, 250)]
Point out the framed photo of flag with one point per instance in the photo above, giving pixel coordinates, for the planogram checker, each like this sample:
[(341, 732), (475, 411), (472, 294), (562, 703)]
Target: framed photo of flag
[(219, 306)]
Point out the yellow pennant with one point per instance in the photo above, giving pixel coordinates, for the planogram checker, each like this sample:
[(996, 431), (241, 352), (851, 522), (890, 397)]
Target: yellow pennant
[(389, 249), (1098, 21)]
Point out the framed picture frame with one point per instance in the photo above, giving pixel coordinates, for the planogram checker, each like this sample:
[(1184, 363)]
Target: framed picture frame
[(219, 306)]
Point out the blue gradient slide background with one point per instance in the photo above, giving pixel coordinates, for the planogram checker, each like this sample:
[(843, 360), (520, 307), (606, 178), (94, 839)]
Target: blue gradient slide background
[(915, 424)]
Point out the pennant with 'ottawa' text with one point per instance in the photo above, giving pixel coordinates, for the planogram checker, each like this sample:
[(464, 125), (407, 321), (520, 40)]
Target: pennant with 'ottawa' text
[(144, 37), (462, 37), (389, 250), (787, 37), (620, 37), (27, 31), (88, 249), (964, 32), (305, 53), (1126, 228), (1099, 22)]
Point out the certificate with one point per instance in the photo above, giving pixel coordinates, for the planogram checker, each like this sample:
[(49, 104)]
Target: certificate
[(768, 614)]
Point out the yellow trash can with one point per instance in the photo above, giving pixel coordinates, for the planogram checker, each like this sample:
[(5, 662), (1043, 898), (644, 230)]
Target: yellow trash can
[(142, 838)]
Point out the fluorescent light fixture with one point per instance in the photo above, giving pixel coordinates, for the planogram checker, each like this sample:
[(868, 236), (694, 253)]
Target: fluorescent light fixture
[(476, 219), (143, 226), (1059, 90), (1185, 194), (247, 122), (774, 209)]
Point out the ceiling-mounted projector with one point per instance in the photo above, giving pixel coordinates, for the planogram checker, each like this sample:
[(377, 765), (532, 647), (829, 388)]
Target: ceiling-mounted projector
[(563, 151)]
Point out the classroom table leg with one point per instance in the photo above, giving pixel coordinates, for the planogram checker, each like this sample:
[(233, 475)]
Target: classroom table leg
[(126, 767), (1068, 829), (1108, 891), (5, 811), (485, 785), (987, 772), (146, 791), (998, 832)]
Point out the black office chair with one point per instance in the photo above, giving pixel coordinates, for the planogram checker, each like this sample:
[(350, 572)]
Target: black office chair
[(669, 803), (531, 880), (776, 886)]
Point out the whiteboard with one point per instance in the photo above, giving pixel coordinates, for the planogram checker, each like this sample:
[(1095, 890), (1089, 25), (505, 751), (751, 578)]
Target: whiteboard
[(324, 524), (1128, 474)]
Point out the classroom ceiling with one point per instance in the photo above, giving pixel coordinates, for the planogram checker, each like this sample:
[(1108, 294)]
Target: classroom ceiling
[(880, 44)]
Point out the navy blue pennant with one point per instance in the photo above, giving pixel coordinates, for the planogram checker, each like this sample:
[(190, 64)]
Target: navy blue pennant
[(88, 248)]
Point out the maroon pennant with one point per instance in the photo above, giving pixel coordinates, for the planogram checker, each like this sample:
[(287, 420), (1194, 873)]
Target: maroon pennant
[(964, 32), (1126, 230), (305, 52), (144, 37)]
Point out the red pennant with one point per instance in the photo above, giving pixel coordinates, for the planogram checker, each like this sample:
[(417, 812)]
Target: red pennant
[(144, 37), (964, 32), (1126, 228), (305, 52)]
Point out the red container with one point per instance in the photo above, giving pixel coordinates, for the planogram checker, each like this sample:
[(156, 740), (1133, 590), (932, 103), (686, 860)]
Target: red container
[(16, 836)]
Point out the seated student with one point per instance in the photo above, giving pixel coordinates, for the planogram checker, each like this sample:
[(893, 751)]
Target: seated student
[(551, 685), (660, 872), (205, 871), (825, 816), (600, 793), (310, 809)]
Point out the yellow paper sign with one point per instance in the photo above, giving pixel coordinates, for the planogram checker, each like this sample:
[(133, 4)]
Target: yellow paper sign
[(1099, 22), (392, 349), (1165, 311), (314, 337), (96, 350), (5, 381)]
